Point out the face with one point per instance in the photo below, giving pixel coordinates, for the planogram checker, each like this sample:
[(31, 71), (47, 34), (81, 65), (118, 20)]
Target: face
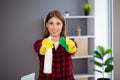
[(54, 26)]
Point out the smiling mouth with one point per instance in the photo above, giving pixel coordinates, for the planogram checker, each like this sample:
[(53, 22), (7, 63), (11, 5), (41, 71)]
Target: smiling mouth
[(54, 32)]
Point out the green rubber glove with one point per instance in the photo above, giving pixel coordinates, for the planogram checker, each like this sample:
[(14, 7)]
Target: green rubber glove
[(62, 41)]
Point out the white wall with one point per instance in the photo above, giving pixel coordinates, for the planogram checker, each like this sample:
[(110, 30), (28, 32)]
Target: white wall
[(101, 26), (116, 38)]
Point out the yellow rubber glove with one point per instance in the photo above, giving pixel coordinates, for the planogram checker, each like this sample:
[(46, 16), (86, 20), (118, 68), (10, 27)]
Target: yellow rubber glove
[(68, 44), (46, 43), (71, 45)]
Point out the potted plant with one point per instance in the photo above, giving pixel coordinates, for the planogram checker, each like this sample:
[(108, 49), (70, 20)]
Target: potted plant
[(87, 7), (102, 60)]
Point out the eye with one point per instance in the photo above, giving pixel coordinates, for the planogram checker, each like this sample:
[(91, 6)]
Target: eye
[(51, 23), (58, 23)]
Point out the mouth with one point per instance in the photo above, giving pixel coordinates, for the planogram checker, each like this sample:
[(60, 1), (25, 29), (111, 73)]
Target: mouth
[(54, 31)]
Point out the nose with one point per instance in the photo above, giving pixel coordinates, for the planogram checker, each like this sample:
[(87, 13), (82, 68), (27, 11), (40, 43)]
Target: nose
[(55, 26)]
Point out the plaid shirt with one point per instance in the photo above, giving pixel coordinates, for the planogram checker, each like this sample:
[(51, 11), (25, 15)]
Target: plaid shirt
[(61, 64)]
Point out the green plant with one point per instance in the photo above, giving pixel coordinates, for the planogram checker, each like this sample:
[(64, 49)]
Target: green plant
[(102, 60), (87, 7)]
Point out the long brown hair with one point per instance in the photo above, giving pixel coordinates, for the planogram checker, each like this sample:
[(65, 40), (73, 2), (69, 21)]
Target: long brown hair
[(58, 15)]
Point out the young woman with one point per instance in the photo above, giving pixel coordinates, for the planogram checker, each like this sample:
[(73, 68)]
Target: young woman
[(61, 46)]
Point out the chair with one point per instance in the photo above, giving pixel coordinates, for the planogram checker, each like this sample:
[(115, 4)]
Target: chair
[(28, 77)]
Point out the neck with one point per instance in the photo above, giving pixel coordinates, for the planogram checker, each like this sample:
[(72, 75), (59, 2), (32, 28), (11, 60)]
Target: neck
[(55, 38)]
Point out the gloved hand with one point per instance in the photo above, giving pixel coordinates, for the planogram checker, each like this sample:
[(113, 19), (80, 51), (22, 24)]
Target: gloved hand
[(62, 41), (68, 44), (46, 43)]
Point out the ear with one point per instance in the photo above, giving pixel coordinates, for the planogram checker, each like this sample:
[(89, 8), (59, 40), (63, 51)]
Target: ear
[(46, 25)]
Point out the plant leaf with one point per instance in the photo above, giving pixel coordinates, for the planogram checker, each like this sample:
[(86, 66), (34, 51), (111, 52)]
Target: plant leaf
[(98, 63), (109, 68), (108, 61), (98, 57), (100, 49), (97, 53), (87, 7), (97, 70), (108, 51)]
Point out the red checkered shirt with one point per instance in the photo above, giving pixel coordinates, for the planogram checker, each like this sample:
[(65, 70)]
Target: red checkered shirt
[(61, 64)]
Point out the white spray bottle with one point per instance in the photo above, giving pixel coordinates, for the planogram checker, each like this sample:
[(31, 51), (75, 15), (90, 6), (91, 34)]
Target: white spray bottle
[(48, 61)]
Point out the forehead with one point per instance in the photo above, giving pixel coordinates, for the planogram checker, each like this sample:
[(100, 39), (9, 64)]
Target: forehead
[(55, 19)]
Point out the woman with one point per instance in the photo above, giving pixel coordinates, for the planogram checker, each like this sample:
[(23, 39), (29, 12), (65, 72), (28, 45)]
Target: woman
[(62, 48)]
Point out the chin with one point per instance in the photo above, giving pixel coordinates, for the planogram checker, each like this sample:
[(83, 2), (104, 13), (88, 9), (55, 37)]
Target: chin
[(55, 35)]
